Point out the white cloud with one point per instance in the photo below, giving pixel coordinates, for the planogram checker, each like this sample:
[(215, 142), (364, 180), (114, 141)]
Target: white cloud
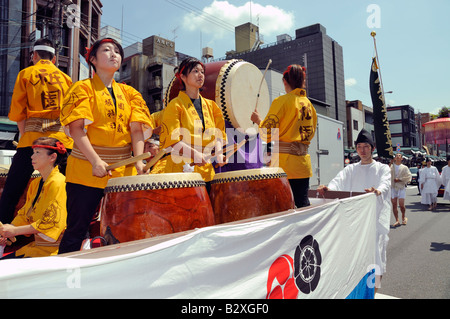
[(350, 82), (221, 17)]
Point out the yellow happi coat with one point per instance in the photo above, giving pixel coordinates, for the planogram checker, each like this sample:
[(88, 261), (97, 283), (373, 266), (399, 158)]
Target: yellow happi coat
[(181, 117), (48, 215), (106, 125), (39, 93), (295, 118)]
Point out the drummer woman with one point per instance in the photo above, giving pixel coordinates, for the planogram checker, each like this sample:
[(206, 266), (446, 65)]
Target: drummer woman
[(44, 213), (192, 125), (295, 118), (107, 121)]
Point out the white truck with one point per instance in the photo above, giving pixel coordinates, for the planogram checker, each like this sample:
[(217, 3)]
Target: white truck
[(326, 151)]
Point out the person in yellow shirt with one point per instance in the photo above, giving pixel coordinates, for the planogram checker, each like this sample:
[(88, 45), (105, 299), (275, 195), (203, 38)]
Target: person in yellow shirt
[(44, 213), (192, 125), (108, 122), (293, 118), (35, 106)]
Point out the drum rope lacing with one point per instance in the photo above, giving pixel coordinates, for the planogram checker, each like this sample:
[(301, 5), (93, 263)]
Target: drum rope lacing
[(223, 104), (248, 178), (153, 186)]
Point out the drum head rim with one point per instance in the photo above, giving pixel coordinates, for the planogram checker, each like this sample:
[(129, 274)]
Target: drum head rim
[(249, 174), (177, 179)]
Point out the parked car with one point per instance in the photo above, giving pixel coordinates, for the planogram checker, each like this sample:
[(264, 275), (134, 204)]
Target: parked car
[(413, 171)]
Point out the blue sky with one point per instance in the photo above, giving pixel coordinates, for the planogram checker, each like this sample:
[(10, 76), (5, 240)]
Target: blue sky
[(413, 37)]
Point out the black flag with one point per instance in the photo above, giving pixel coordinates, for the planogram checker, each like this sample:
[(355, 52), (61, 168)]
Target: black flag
[(380, 120)]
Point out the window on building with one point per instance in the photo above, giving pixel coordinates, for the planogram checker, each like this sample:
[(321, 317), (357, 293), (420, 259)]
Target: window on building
[(355, 125), (405, 128), (395, 128)]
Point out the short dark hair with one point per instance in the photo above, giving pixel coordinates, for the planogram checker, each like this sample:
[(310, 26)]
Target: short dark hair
[(45, 54), (186, 67)]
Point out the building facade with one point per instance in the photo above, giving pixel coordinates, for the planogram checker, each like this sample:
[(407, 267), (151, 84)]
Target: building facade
[(359, 116), (149, 68), (402, 123)]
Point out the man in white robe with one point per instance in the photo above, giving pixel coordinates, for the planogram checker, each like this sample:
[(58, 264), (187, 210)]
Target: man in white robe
[(369, 176), (446, 179), (430, 181)]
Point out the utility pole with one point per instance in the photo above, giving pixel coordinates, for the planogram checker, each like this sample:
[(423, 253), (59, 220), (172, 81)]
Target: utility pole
[(56, 27)]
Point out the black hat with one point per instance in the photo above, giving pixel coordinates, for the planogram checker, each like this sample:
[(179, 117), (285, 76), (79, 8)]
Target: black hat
[(364, 137)]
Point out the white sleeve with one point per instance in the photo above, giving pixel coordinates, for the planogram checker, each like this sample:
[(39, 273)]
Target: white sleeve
[(342, 180)]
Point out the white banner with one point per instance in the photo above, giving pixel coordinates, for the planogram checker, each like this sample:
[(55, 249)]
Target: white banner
[(321, 252)]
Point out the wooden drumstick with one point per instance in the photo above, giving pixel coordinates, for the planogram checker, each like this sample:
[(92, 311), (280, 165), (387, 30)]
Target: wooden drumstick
[(129, 161), (213, 155), (260, 84), (155, 159), (236, 147)]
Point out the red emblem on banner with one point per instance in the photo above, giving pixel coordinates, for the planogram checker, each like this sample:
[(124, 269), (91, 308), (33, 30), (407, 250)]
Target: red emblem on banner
[(281, 281), (288, 276)]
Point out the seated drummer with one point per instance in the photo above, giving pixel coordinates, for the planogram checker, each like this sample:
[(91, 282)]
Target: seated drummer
[(44, 213), (192, 125)]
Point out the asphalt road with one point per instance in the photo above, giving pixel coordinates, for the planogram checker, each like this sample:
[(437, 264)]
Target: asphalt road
[(418, 254)]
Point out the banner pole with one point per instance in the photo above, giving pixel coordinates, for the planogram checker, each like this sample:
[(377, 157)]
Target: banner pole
[(373, 34)]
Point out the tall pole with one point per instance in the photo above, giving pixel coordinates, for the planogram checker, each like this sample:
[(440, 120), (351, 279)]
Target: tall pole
[(381, 122), (373, 34), (56, 28)]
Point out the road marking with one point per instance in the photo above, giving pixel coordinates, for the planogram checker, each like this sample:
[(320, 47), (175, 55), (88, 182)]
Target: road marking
[(382, 296)]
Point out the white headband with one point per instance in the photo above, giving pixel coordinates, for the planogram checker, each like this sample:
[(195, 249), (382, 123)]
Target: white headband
[(44, 48)]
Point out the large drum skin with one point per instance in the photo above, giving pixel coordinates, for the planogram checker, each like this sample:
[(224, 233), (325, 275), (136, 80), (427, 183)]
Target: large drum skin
[(233, 85), (144, 206), (250, 193)]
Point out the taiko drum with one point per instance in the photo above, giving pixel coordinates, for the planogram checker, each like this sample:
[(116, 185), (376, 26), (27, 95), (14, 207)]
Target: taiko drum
[(234, 86), (144, 206), (250, 193)]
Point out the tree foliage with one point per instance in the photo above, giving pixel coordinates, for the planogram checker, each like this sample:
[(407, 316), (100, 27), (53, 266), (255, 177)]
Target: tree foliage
[(444, 112)]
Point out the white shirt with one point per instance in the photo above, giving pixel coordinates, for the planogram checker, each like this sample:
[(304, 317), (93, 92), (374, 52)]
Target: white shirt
[(446, 181), (431, 180), (358, 177)]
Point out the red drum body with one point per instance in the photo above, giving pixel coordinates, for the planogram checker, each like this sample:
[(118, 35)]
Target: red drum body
[(144, 206), (250, 193), (234, 86)]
